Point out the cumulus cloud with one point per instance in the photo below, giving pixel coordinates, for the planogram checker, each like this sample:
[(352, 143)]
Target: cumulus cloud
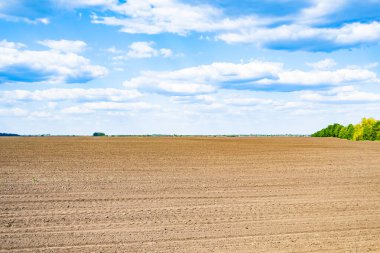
[(65, 46), (255, 75), (77, 95), (345, 94), (84, 3), (18, 64), (140, 49), (251, 101), (145, 50), (302, 31), (300, 37), (108, 106), (315, 78), (243, 103), (55, 102), (323, 65), (197, 99), (13, 112), (157, 16), (203, 79), (319, 9), (10, 44), (310, 29), (165, 52), (11, 18)]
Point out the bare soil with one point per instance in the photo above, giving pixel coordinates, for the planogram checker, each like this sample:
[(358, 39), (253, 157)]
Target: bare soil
[(85, 194)]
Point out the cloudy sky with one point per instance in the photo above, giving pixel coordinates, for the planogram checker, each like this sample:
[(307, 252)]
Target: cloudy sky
[(187, 67)]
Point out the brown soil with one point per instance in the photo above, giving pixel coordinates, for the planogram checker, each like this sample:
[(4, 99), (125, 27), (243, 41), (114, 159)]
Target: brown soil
[(61, 194)]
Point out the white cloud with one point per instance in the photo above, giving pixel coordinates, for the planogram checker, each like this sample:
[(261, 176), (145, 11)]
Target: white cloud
[(15, 112), (159, 16), (197, 99), (165, 52), (145, 50), (51, 103), (323, 65), (345, 94), (244, 103), (11, 18), (108, 106), (293, 105), (203, 79), (141, 49), (248, 101), (79, 95), (65, 46), (302, 31), (318, 11), (10, 44), (300, 37), (255, 75), (21, 65), (84, 3), (319, 77), (40, 114), (114, 50), (45, 21), (371, 65)]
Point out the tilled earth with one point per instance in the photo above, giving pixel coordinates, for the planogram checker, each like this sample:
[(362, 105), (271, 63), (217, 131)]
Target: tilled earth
[(107, 194)]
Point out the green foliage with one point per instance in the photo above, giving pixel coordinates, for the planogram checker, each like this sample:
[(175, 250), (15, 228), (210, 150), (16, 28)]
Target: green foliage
[(368, 129), (342, 133), (330, 131), (358, 132), (350, 132), (376, 131), (98, 134)]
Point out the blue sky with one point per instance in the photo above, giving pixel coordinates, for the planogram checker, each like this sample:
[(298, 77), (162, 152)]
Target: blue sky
[(187, 67)]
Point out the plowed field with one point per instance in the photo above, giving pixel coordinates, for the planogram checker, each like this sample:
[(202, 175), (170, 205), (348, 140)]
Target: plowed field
[(78, 194)]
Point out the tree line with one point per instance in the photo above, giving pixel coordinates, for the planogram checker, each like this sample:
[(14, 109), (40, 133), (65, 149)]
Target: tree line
[(8, 134), (367, 129)]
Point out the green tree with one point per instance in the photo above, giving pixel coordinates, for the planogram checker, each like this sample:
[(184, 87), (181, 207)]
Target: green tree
[(98, 134), (350, 132), (376, 131), (330, 131), (358, 132), (342, 133), (368, 128), (336, 129)]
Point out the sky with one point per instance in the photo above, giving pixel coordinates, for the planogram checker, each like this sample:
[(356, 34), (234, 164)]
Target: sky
[(187, 67)]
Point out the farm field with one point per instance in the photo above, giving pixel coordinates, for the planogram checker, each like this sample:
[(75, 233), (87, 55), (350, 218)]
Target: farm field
[(189, 194)]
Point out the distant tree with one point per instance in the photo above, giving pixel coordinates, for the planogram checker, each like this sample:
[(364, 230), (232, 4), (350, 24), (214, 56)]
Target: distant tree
[(98, 134), (376, 131), (350, 132), (8, 134), (336, 129), (329, 132), (368, 128), (320, 133), (358, 132), (342, 133)]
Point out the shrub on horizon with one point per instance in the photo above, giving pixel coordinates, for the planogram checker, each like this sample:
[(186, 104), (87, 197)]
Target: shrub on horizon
[(98, 134), (367, 129)]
